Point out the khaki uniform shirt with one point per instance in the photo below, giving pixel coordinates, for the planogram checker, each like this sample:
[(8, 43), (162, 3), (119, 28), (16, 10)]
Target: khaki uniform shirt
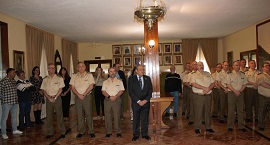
[(204, 79), (221, 77), (82, 82), (263, 77), (184, 75), (112, 87), (215, 75), (236, 80), (251, 76), (51, 85)]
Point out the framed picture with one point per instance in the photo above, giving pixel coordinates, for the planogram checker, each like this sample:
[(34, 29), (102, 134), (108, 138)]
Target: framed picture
[(160, 48), (160, 60), (137, 60), (177, 48), (136, 48), (116, 49), (117, 60), (18, 62), (127, 61), (167, 48), (177, 59), (167, 60), (230, 58), (126, 49)]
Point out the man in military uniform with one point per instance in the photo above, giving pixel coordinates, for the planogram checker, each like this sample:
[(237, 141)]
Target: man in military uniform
[(236, 82), (82, 84), (186, 89), (223, 91), (215, 91), (251, 92), (243, 63), (202, 85), (264, 95), (112, 89), (52, 86)]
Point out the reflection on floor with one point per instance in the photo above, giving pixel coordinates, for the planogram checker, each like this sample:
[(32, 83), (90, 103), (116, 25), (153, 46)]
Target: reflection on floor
[(179, 133)]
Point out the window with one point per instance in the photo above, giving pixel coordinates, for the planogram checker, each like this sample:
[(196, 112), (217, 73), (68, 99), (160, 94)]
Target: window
[(200, 57)]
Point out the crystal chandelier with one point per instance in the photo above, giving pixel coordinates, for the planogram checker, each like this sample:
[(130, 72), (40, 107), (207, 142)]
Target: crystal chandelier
[(150, 14)]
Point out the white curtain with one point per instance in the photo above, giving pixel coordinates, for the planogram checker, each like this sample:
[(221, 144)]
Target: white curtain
[(200, 57), (71, 71), (43, 73)]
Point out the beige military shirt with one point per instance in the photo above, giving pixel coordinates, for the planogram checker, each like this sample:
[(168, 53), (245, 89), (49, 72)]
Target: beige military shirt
[(263, 77), (112, 87), (82, 82), (251, 76), (236, 80), (51, 85), (204, 79), (221, 77), (184, 75)]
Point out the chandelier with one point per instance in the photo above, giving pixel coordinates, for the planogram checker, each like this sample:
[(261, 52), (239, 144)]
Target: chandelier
[(150, 14)]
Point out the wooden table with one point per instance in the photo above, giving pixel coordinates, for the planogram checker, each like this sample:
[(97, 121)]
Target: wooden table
[(164, 104)]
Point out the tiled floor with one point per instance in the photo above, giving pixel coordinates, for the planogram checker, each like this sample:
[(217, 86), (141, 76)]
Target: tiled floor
[(179, 134)]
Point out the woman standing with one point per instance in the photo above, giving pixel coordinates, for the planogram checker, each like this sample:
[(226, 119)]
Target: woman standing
[(37, 98), (66, 94), (99, 98)]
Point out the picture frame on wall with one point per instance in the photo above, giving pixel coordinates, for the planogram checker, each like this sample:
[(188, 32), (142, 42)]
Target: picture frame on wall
[(18, 62), (116, 49), (136, 49), (137, 60), (160, 60), (177, 59), (230, 58), (167, 60), (117, 60), (167, 48), (126, 49), (127, 61), (160, 48), (177, 48)]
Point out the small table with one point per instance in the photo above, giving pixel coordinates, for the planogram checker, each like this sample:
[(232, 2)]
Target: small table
[(164, 104)]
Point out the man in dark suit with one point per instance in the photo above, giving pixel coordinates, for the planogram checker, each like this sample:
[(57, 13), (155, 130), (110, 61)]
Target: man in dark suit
[(140, 92), (121, 75)]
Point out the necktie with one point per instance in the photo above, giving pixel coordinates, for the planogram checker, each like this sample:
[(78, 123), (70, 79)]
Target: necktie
[(140, 81)]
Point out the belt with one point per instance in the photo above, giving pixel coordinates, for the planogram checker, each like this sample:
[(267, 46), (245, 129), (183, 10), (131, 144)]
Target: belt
[(201, 94)]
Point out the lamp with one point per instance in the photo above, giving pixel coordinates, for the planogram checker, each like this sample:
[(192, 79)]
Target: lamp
[(151, 43), (150, 14)]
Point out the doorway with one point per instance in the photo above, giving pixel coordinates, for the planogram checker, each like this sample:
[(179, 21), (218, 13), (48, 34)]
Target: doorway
[(91, 65)]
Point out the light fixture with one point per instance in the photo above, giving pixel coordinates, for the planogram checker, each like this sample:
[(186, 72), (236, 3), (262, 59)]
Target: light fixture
[(150, 14), (151, 43)]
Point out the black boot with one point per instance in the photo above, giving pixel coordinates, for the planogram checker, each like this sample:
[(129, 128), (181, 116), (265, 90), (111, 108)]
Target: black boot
[(36, 117), (39, 117)]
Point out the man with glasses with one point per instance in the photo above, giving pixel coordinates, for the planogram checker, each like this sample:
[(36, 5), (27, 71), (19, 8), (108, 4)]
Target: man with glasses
[(52, 86), (264, 95)]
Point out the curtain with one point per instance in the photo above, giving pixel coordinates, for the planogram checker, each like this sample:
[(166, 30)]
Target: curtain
[(210, 49), (33, 47), (190, 47), (74, 52), (48, 40), (66, 51)]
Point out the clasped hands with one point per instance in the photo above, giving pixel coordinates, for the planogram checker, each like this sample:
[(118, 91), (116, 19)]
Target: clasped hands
[(141, 103)]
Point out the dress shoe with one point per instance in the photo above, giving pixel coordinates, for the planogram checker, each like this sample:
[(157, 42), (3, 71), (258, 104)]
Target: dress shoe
[(108, 135), (174, 114), (261, 129), (197, 131), (49, 136), (63, 136), (190, 123), (92, 135), (183, 113), (230, 129), (146, 137), (167, 114), (134, 138), (210, 130), (221, 121), (4, 136), (17, 132), (118, 135), (243, 129), (79, 135)]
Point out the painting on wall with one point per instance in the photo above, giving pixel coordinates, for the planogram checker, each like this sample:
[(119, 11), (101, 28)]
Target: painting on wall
[(127, 61), (18, 62), (167, 60), (167, 48), (177, 48), (230, 58), (126, 49), (116, 49), (117, 60), (177, 59)]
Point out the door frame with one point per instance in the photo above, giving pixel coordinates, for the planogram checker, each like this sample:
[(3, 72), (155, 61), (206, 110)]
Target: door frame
[(99, 62)]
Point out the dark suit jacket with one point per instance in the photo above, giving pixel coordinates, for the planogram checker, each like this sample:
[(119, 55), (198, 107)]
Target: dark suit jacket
[(135, 91)]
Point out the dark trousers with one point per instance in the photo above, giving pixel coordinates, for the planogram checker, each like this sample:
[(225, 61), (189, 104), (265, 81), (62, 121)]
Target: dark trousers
[(99, 99), (25, 108), (66, 104), (140, 114)]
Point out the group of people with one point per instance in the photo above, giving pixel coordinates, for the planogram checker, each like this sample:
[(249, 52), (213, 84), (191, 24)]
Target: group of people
[(242, 91)]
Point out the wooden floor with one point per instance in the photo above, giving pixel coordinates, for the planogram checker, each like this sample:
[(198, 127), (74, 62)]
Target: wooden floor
[(179, 134)]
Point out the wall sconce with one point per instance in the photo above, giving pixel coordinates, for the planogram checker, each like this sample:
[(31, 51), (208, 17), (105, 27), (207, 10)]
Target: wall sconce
[(151, 43)]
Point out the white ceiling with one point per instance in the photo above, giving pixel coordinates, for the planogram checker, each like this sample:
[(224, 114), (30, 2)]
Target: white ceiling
[(112, 20)]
